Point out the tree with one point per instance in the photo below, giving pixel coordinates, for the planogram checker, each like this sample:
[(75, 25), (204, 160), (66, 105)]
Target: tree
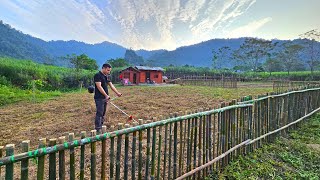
[(220, 56), (119, 62), (313, 50), (253, 51), (272, 65), (82, 62), (290, 56)]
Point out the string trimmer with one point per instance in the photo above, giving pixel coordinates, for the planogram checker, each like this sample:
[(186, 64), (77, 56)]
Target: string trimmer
[(130, 117)]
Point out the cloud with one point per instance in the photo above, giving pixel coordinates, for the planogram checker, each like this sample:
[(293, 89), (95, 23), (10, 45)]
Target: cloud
[(148, 24), (249, 29), (53, 20)]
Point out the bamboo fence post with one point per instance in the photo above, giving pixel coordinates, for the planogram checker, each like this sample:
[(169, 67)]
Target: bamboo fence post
[(93, 159), (227, 135), (41, 160), (269, 117), (112, 158), (140, 151), (181, 150), (82, 155), (118, 157), (9, 167), (188, 168), (1, 149), (153, 156), (175, 141), (208, 140), (215, 136), (184, 132), (223, 134), (200, 149), (134, 142), (159, 149), (148, 153), (103, 153), (52, 161), (195, 144), (25, 162), (234, 129), (72, 165), (62, 169), (170, 147), (165, 150), (126, 151)]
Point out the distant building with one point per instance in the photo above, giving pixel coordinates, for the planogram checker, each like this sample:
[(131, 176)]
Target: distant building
[(141, 74)]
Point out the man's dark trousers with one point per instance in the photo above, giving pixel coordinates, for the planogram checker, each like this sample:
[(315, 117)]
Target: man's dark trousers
[(101, 105)]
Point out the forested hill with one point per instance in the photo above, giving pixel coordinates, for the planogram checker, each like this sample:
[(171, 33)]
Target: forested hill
[(14, 43)]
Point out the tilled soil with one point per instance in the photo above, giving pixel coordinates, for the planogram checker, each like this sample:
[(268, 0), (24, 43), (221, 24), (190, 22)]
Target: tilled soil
[(74, 112)]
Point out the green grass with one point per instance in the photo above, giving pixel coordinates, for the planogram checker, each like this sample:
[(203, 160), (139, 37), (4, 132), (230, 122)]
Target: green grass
[(9, 95), (287, 158)]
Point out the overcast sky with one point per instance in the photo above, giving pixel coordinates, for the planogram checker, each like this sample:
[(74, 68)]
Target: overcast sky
[(160, 24)]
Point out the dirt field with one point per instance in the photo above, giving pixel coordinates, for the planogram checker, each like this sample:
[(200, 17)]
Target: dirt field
[(74, 112)]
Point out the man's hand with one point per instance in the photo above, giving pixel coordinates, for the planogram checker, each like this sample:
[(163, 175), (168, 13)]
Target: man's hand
[(119, 94), (107, 98)]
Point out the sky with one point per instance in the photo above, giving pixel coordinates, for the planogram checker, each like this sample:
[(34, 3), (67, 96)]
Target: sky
[(160, 24)]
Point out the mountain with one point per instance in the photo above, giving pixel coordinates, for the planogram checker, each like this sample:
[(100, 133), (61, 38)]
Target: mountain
[(16, 44), (197, 55)]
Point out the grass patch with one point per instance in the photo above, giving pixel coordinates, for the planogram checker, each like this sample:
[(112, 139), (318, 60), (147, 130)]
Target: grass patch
[(9, 95), (294, 157)]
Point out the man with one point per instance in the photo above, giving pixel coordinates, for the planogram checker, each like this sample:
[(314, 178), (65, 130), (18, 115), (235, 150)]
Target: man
[(101, 94)]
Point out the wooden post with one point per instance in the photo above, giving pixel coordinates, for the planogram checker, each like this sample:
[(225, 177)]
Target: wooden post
[(118, 158), (25, 162), (62, 170), (93, 156), (140, 151), (52, 161), (126, 151), (103, 154), (41, 160), (9, 167)]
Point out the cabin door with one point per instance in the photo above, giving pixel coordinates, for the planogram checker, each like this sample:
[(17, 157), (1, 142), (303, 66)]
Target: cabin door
[(147, 76), (134, 78)]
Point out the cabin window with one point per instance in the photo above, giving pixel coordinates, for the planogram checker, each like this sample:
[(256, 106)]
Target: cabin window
[(126, 75), (156, 76)]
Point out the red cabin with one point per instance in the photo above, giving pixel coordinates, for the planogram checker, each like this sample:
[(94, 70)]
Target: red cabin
[(141, 74)]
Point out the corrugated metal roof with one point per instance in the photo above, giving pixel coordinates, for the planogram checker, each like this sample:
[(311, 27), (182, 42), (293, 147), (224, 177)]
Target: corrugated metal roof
[(149, 68)]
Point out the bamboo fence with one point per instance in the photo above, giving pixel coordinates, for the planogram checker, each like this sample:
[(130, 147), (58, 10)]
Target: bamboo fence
[(285, 85), (221, 81), (184, 145)]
